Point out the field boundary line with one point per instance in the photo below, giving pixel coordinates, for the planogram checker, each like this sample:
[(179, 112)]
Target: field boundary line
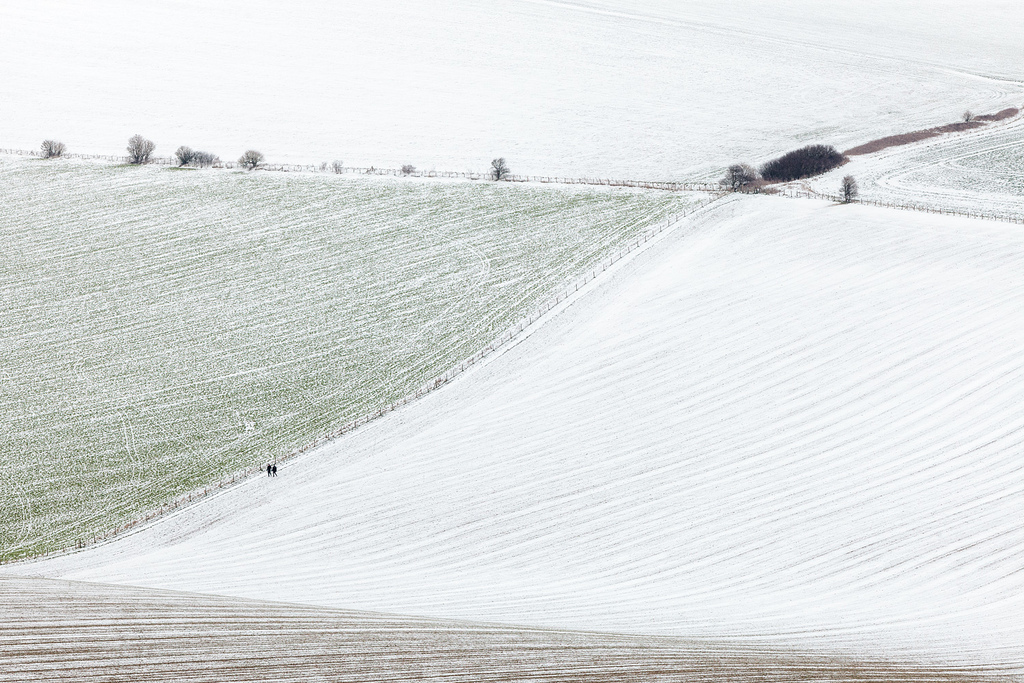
[(511, 333), (326, 169), (792, 193)]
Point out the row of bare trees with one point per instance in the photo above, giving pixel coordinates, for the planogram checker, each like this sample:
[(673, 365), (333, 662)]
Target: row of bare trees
[(140, 151), (187, 156)]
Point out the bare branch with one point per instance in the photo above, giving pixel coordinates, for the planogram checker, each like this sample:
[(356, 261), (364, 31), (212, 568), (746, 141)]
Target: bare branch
[(140, 149), (499, 169), (52, 149), (251, 160), (849, 189), (186, 155)]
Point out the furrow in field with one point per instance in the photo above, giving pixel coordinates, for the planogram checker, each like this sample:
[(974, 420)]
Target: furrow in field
[(67, 631)]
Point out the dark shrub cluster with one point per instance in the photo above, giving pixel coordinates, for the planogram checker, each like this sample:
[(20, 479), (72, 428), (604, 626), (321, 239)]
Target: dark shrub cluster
[(802, 163)]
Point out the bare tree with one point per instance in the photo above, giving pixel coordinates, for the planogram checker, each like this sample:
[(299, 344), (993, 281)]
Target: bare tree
[(337, 166), (323, 166), (185, 155), (53, 148), (739, 176), (967, 116), (204, 159), (849, 189), (408, 169), (251, 160), (499, 169), (140, 149)]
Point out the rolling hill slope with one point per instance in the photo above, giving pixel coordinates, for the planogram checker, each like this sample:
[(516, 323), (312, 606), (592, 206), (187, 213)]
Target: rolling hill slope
[(67, 631), (650, 90), (787, 421), (163, 328)]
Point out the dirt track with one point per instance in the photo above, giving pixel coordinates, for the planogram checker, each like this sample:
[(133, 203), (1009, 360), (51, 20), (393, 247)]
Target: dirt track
[(917, 135)]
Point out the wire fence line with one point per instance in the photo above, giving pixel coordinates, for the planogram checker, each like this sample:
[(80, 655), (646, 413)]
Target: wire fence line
[(793, 193), (326, 168), (510, 334)]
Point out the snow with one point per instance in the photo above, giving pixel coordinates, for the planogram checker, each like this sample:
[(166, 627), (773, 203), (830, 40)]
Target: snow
[(653, 90), (68, 631), (163, 328), (786, 422), (976, 171)]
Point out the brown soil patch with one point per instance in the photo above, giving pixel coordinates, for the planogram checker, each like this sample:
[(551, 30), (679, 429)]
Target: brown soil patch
[(68, 631), (917, 135), (1007, 113)]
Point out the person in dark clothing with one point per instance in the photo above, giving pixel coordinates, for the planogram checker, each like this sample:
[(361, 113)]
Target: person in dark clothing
[(269, 471), (275, 470)]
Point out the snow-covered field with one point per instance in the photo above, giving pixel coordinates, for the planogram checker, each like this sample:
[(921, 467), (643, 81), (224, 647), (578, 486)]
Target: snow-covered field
[(651, 90), (785, 427), (163, 327), (786, 422), (113, 633), (977, 171)]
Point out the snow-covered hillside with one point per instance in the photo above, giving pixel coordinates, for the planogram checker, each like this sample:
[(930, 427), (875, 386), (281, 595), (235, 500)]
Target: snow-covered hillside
[(974, 171), (653, 90), (787, 421), (163, 327)]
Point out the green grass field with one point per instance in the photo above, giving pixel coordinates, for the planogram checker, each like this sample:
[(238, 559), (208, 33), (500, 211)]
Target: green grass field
[(161, 329)]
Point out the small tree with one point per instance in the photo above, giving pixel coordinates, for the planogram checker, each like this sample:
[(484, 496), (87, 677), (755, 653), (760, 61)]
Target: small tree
[(251, 160), (968, 116), (204, 159), (408, 169), (849, 189), (140, 149), (337, 166), (53, 148), (499, 169), (185, 155), (739, 176)]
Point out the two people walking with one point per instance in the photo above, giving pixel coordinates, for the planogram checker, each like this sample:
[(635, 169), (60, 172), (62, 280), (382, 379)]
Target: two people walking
[(271, 470)]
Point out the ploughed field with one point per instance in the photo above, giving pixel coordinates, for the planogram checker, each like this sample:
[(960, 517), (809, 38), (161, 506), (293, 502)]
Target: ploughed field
[(162, 328), (122, 633)]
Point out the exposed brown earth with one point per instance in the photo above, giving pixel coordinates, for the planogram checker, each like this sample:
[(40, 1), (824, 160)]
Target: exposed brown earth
[(69, 631), (1007, 113), (917, 135)]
